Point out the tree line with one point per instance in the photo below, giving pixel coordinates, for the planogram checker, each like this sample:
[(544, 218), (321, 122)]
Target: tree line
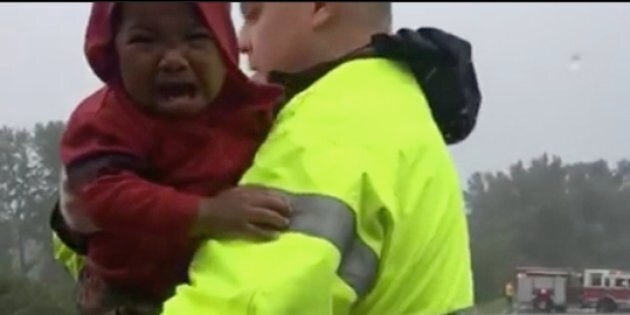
[(545, 212)]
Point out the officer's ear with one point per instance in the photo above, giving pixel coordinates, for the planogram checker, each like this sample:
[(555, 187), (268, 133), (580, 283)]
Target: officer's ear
[(323, 13)]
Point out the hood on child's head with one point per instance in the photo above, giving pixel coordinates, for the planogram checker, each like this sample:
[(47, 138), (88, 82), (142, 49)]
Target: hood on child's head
[(99, 37), (239, 89)]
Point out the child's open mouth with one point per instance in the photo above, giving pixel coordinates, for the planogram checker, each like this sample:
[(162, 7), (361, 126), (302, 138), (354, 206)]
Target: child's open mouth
[(177, 91), (179, 98)]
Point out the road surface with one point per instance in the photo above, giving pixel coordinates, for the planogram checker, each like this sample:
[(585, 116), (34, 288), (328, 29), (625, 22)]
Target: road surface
[(570, 312)]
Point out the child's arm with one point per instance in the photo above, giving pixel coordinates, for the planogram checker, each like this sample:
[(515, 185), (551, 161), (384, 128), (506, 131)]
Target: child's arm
[(239, 212), (105, 152), (114, 196)]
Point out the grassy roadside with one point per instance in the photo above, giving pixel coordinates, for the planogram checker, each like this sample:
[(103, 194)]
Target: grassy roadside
[(493, 307)]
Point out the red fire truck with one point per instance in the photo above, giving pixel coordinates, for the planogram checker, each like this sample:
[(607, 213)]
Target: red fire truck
[(605, 290), (557, 289), (541, 289)]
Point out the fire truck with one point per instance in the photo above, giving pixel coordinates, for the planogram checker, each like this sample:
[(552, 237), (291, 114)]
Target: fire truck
[(543, 289), (605, 290)]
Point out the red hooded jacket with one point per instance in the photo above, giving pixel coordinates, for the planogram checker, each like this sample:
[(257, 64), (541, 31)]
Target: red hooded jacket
[(137, 179)]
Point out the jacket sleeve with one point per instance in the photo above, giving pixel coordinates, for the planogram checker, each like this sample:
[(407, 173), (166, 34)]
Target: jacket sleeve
[(329, 258), (118, 200), (109, 178)]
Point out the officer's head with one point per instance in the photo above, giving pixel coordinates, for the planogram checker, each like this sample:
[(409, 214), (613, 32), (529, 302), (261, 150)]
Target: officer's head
[(293, 36)]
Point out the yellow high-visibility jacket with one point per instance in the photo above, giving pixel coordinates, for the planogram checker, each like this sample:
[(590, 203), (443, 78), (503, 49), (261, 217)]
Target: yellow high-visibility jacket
[(379, 226), (72, 261)]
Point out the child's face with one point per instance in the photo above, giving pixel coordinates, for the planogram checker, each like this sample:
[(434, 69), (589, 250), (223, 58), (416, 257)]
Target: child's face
[(168, 60)]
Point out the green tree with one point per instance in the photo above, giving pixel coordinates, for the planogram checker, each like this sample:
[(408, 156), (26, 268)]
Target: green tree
[(46, 140), (21, 189), (32, 283)]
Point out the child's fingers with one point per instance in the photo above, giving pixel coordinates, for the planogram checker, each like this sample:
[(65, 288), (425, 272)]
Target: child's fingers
[(263, 216), (269, 198), (260, 233), (273, 201)]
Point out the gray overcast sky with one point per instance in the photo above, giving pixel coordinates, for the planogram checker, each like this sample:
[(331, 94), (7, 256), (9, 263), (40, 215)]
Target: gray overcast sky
[(535, 98)]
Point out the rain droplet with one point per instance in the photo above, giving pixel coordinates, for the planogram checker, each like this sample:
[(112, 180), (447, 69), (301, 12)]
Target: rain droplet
[(575, 63)]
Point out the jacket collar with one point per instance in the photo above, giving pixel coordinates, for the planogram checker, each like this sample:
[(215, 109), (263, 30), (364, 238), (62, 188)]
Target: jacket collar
[(294, 83)]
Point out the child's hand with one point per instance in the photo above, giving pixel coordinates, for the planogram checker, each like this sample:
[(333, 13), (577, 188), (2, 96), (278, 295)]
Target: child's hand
[(246, 212)]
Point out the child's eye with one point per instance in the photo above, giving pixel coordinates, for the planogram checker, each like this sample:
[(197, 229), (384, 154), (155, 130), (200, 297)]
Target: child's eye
[(199, 36), (140, 39)]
